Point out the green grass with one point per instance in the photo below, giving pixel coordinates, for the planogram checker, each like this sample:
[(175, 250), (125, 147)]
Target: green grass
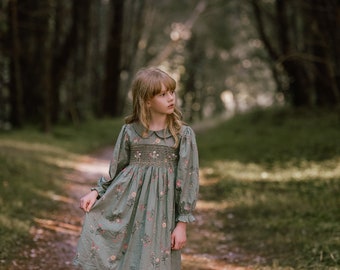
[(278, 172), (31, 167)]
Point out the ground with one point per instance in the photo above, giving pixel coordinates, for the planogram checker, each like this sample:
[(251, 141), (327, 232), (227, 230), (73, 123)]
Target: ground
[(56, 236)]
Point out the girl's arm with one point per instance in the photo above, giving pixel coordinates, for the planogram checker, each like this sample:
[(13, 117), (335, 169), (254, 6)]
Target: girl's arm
[(187, 178), (119, 161)]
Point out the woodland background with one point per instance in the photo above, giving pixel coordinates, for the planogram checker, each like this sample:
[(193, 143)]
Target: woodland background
[(69, 61), (269, 182)]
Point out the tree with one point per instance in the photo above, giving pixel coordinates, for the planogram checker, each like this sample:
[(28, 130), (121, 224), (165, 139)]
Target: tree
[(304, 46)]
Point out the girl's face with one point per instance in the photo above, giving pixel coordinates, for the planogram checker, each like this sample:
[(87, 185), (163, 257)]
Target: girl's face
[(163, 103)]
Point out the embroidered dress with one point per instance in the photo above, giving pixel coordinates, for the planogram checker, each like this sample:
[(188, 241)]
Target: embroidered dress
[(152, 186)]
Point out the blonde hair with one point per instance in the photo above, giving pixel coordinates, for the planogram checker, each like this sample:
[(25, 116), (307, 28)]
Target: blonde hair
[(147, 84)]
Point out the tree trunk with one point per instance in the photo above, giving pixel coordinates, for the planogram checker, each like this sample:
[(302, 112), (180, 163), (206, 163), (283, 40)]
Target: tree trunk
[(110, 98), (16, 91), (325, 33), (299, 85), (62, 56)]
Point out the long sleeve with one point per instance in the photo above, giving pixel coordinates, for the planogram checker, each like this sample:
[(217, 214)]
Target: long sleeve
[(187, 181), (119, 161)]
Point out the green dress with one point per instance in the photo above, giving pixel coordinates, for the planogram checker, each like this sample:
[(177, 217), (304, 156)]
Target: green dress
[(152, 186)]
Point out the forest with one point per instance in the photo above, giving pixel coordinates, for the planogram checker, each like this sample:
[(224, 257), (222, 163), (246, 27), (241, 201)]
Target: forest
[(258, 81), (68, 61)]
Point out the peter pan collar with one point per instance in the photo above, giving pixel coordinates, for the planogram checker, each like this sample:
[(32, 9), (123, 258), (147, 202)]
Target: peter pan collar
[(139, 128)]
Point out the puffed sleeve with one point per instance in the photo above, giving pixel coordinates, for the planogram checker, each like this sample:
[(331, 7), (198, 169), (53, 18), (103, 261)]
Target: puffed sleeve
[(119, 161), (187, 178)]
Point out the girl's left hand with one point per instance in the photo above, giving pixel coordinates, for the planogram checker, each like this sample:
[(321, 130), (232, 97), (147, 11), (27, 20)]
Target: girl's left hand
[(179, 236)]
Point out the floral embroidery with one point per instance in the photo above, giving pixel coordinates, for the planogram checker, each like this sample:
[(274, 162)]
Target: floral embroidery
[(115, 218), (99, 230), (93, 250), (136, 226), (132, 199), (150, 215), (146, 240), (158, 155), (138, 155), (154, 155), (112, 258)]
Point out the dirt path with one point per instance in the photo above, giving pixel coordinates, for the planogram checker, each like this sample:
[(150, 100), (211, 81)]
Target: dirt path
[(56, 237)]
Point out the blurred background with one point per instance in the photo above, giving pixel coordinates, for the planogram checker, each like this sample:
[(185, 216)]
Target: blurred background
[(259, 81), (67, 61)]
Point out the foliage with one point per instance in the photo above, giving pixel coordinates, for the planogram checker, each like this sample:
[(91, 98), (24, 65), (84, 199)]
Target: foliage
[(69, 61), (277, 173)]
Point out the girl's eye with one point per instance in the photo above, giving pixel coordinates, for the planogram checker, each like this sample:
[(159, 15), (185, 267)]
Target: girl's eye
[(163, 94)]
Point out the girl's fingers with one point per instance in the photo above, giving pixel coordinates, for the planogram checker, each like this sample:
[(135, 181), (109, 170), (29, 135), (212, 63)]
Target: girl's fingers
[(89, 206), (172, 241)]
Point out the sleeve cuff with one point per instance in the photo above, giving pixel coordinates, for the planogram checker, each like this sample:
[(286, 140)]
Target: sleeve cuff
[(186, 218)]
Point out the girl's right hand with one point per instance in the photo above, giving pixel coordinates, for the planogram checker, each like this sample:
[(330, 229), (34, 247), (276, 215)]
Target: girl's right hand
[(88, 200)]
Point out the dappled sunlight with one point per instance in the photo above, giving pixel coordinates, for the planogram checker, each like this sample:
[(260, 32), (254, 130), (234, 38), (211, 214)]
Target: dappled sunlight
[(54, 197), (60, 158), (57, 226), (35, 147), (205, 205), (93, 166), (61, 162), (306, 170), (206, 262), (213, 205)]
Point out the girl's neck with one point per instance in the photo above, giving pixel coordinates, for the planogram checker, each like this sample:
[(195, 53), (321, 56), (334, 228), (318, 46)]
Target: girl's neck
[(157, 123)]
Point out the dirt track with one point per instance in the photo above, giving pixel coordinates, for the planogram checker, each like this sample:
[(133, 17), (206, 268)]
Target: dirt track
[(56, 236)]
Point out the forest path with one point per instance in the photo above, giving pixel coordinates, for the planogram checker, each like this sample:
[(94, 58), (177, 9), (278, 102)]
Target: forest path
[(56, 236)]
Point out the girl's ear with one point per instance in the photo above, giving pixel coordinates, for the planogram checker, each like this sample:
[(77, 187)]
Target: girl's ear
[(148, 103)]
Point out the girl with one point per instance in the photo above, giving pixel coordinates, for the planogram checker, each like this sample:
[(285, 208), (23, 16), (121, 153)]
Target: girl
[(137, 219)]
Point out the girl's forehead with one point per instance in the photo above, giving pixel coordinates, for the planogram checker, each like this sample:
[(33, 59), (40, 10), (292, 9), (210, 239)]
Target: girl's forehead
[(163, 88)]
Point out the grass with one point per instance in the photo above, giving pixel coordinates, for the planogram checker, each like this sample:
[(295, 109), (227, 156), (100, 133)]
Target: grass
[(275, 176), (31, 167), (278, 173)]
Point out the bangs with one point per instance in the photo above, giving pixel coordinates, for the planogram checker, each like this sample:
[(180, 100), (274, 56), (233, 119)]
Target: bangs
[(155, 82)]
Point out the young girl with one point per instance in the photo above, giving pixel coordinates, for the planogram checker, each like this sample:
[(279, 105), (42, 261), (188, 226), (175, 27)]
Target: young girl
[(137, 219)]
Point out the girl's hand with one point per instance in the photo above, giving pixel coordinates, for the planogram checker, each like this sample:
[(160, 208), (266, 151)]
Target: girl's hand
[(88, 200), (179, 236)]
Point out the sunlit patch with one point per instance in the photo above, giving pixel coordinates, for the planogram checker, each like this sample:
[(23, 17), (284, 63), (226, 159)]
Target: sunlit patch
[(34, 147), (200, 262), (55, 197), (323, 170), (213, 205), (94, 167), (58, 226)]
